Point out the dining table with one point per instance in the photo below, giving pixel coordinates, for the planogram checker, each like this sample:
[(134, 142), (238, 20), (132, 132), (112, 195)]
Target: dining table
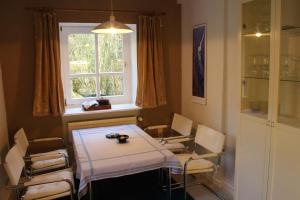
[(98, 157)]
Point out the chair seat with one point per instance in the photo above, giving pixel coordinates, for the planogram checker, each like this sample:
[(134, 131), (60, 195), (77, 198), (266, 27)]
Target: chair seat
[(49, 190), (46, 191), (49, 155), (175, 147), (48, 164), (57, 175), (195, 166)]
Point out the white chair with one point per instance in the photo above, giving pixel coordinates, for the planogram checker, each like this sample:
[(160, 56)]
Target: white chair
[(193, 163), (181, 125), (41, 162), (43, 187)]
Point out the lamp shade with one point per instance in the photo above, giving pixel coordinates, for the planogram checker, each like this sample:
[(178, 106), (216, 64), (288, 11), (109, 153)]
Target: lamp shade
[(112, 26)]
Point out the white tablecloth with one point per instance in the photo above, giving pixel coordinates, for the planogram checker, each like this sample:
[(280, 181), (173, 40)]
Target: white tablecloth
[(99, 158)]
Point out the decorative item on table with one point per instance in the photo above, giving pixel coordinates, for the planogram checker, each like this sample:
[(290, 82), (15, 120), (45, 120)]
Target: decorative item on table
[(112, 135), (99, 104), (122, 139)]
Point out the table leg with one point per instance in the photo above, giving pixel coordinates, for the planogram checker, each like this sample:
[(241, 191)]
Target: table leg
[(90, 190), (159, 174), (169, 184)]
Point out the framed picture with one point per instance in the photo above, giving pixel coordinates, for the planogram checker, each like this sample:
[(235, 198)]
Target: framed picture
[(199, 64)]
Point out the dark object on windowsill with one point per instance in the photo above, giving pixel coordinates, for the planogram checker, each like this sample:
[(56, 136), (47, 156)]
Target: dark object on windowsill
[(99, 104), (122, 138), (98, 107), (103, 102)]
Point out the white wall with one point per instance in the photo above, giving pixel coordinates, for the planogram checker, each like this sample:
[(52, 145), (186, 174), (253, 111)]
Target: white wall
[(232, 85), (222, 109), (210, 12), (3, 139)]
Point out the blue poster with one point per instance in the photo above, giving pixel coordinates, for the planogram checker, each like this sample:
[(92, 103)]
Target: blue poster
[(199, 60)]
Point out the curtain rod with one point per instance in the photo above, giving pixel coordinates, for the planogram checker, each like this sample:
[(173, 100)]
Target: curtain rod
[(96, 10)]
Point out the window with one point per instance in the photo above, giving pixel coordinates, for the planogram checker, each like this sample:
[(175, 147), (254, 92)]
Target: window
[(97, 65)]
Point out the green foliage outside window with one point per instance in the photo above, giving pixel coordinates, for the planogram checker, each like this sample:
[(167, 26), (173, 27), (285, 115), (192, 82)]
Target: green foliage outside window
[(82, 53), (82, 57)]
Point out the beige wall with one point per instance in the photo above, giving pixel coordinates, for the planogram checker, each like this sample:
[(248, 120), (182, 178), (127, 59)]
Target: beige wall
[(222, 108), (17, 56), (196, 12), (3, 140)]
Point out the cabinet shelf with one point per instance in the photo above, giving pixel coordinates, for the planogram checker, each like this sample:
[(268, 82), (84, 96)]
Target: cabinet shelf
[(254, 35), (259, 114), (262, 78), (290, 29), (255, 77), (290, 80)]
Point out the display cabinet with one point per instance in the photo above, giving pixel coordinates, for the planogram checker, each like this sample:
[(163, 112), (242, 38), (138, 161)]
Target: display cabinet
[(289, 73), (268, 143), (256, 26)]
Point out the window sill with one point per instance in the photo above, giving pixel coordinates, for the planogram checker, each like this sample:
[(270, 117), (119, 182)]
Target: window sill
[(77, 111)]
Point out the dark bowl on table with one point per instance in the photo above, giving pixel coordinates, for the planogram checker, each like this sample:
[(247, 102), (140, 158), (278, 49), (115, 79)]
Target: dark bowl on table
[(122, 138)]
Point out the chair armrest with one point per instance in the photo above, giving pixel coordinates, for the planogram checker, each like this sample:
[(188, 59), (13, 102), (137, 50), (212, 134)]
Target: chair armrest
[(56, 154), (208, 155), (176, 139), (47, 139), (156, 127), (59, 139)]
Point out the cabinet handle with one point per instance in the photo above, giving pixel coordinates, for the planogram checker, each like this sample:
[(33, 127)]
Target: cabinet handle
[(272, 124), (244, 93)]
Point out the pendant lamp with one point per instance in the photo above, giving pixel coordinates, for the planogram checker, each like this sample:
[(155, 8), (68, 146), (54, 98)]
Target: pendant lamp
[(112, 26)]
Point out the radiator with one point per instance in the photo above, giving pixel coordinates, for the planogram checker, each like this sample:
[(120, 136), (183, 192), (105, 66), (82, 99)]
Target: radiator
[(100, 123)]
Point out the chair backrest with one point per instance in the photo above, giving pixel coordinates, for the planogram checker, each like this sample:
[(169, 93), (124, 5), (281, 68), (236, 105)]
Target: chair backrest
[(14, 165), (182, 124), (21, 141), (210, 139)]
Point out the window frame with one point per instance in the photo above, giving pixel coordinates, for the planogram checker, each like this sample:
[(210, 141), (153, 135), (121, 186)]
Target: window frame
[(129, 57)]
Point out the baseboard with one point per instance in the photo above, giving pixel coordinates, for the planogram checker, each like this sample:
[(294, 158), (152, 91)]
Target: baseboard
[(226, 186)]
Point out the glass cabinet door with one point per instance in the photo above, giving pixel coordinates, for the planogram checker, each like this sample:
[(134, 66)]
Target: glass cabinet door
[(289, 72), (256, 26)]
